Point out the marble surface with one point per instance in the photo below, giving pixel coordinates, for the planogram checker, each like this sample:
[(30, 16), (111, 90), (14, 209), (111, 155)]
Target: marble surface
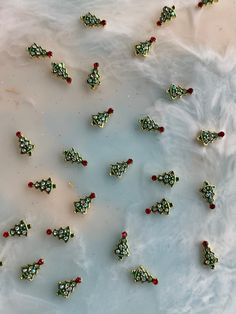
[(196, 50)]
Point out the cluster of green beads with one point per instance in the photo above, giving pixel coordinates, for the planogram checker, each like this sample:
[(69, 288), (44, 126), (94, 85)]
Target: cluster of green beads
[(118, 169), (29, 271), (100, 119), (209, 258), (143, 48), (140, 274), (162, 207), (63, 234), (176, 92), (82, 205), (60, 70), (147, 124), (20, 229), (91, 20), (205, 2), (207, 137), (45, 185), (167, 14), (65, 288), (26, 147), (94, 78), (122, 248), (37, 51), (168, 178), (207, 192), (72, 156)]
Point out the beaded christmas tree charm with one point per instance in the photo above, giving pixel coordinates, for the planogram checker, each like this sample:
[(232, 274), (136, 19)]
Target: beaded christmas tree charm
[(26, 147), (37, 51), (120, 168), (162, 207), (83, 204), (207, 137), (64, 234), (143, 48), (20, 229), (91, 20), (93, 79), (101, 118), (65, 288), (166, 15), (44, 185), (28, 272), (74, 157), (122, 248), (176, 92), (147, 124), (206, 2), (140, 274), (208, 193), (166, 178), (209, 258), (59, 69)]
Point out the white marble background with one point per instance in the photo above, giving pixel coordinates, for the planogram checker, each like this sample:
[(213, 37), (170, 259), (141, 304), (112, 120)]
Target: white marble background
[(196, 50)]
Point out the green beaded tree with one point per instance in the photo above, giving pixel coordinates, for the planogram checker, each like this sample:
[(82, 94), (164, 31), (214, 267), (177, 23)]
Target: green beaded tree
[(140, 274), (206, 2), (120, 168), (20, 229), (65, 288), (37, 51), (122, 247), (208, 193), (162, 207), (176, 92), (64, 234), (93, 79), (168, 178), (143, 48), (101, 118), (44, 185), (207, 137), (147, 124), (74, 157), (91, 20), (26, 147), (84, 204), (209, 258), (60, 70), (28, 272), (167, 14)]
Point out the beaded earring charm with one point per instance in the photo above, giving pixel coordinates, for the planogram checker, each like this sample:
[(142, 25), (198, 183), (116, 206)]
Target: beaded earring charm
[(122, 247), (140, 274), (28, 272), (166, 178), (93, 79), (64, 234), (209, 258), (143, 48), (37, 51), (206, 2), (44, 185), (208, 194), (166, 15), (147, 124), (74, 157), (120, 168), (20, 229), (26, 147), (176, 92), (59, 69), (66, 287), (208, 137), (162, 207), (101, 118), (92, 21), (83, 204)]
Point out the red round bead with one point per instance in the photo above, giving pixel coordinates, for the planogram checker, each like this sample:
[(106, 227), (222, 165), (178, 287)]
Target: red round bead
[(152, 39), (161, 129), (92, 195), (148, 211), (158, 23), (205, 243), (129, 161), (221, 134), (124, 234), (30, 184), (5, 234), (18, 134), (40, 261), (78, 280), (190, 91), (212, 206), (96, 65), (69, 80), (49, 54), (155, 281), (110, 111), (103, 22), (84, 163), (49, 231), (154, 178), (200, 4)]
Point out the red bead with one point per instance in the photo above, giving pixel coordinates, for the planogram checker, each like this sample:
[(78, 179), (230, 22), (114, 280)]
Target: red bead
[(205, 243), (5, 234), (161, 129), (103, 22), (212, 206), (200, 4), (30, 184), (221, 134), (18, 134), (78, 280), (84, 163), (158, 23), (110, 111), (152, 39), (148, 211), (96, 65), (124, 234), (49, 54), (49, 231), (69, 80), (129, 161), (190, 91), (154, 178), (92, 195), (40, 261), (155, 281)]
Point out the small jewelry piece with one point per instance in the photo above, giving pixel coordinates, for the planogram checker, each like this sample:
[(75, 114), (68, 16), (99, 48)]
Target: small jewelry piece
[(206, 2), (101, 118), (120, 168), (122, 248), (177, 92), (26, 147), (65, 288), (209, 258), (37, 51), (208, 194), (207, 137), (166, 15), (166, 178), (94, 77), (73, 156), (147, 124), (20, 229), (60, 70), (83, 204), (92, 21), (162, 207), (143, 48), (62, 233), (28, 272), (142, 275), (44, 185)]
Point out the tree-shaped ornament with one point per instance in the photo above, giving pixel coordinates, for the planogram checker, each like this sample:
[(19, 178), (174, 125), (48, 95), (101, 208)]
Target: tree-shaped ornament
[(101, 118), (20, 229), (140, 274), (66, 287), (59, 69), (207, 137), (122, 247), (208, 193), (93, 79), (84, 204), (176, 92), (209, 258), (37, 51), (120, 168), (74, 157), (143, 48), (44, 185), (28, 272), (168, 178), (64, 234), (91, 20), (147, 124), (162, 207), (206, 2), (25, 145), (166, 15)]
